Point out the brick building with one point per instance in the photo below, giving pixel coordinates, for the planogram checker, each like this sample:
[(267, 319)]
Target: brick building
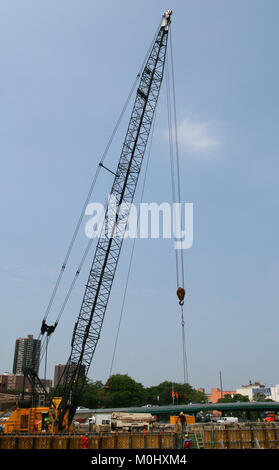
[(10, 382), (216, 393)]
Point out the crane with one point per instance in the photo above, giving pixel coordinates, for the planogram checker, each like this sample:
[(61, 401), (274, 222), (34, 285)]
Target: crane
[(90, 319)]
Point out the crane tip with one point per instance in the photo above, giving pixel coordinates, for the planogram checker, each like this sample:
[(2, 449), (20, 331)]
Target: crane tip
[(166, 19)]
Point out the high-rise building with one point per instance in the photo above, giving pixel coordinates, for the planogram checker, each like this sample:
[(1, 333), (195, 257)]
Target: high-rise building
[(27, 354), (60, 373)]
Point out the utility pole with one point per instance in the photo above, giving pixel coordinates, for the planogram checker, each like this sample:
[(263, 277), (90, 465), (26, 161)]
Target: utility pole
[(221, 384)]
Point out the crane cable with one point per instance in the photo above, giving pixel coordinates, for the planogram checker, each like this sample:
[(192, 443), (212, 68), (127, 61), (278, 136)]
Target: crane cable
[(72, 241), (175, 180), (87, 201)]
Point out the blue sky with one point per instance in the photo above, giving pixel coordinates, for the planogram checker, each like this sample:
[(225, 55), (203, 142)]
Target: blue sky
[(66, 70)]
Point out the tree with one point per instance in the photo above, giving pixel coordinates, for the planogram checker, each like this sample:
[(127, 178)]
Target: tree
[(91, 393), (163, 391), (231, 399), (124, 391), (258, 396)]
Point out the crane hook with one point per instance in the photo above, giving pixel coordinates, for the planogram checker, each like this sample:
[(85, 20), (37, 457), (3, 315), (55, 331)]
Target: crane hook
[(180, 294)]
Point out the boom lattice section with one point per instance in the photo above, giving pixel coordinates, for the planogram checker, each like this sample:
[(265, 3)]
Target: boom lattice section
[(91, 316)]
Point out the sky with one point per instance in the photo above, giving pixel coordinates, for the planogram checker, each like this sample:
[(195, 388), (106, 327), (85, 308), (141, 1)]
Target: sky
[(66, 71)]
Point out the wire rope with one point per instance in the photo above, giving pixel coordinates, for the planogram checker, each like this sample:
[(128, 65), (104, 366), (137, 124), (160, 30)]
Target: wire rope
[(176, 189), (94, 183), (72, 241)]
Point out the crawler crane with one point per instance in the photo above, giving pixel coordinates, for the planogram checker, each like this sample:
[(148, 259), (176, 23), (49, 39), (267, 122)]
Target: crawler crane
[(59, 413)]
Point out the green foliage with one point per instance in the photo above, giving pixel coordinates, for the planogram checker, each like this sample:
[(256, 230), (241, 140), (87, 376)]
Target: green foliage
[(231, 399), (258, 396), (124, 392), (91, 394), (162, 394)]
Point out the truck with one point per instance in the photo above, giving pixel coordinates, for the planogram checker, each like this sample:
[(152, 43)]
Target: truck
[(115, 421), (123, 421), (271, 417), (227, 420)]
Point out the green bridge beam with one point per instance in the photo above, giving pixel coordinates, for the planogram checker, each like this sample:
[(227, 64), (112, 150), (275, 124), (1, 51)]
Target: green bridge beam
[(195, 408)]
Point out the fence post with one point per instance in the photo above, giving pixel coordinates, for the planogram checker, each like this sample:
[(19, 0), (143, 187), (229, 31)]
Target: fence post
[(68, 445), (160, 441), (130, 441), (174, 440), (266, 443), (275, 436), (257, 443), (252, 437), (144, 439), (100, 441), (227, 434)]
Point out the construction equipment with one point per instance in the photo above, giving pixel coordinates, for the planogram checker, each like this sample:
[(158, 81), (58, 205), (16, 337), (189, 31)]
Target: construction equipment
[(189, 419), (59, 413), (35, 419), (271, 417), (123, 421)]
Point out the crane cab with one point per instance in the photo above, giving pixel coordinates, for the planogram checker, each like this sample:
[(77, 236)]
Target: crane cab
[(41, 419), (27, 420)]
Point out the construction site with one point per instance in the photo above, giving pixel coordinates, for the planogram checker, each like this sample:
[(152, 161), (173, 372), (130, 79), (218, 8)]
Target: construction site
[(137, 429), (240, 436), (56, 411), (44, 418)]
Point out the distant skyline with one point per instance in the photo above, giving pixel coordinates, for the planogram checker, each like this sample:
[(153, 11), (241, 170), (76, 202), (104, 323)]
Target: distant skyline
[(67, 68), (59, 367)]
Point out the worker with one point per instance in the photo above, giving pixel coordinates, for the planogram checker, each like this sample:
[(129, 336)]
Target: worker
[(84, 441), (182, 421), (46, 423), (36, 424), (187, 442)]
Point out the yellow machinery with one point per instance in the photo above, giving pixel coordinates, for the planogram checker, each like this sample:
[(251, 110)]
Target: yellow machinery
[(36, 419), (189, 419)]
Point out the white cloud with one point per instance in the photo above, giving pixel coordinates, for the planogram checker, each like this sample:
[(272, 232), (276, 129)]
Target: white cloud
[(197, 137)]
